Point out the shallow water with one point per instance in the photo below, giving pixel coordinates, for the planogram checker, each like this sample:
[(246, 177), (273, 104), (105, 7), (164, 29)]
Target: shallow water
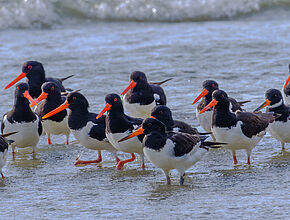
[(246, 56)]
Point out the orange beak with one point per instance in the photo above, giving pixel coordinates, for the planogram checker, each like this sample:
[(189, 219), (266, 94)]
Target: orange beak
[(42, 96), (287, 81), (152, 117), (211, 104), (134, 134), (60, 108), (202, 94), (26, 95), (266, 103), (131, 85), (18, 78), (106, 108)]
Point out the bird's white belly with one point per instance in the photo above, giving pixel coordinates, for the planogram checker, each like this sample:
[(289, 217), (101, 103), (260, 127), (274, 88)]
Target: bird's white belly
[(82, 135), (235, 139), (166, 160), (3, 158), (205, 120), (138, 111), (52, 127), (280, 131), (132, 145), (27, 135)]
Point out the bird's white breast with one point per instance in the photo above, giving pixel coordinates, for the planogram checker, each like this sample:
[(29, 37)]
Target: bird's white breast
[(3, 158), (280, 130), (205, 120), (53, 127)]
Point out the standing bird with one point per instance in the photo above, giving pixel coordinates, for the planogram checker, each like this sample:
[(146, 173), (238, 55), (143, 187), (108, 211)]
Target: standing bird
[(35, 74), (23, 120), (88, 130), (4, 143), (119, 125), (163, 114), (286, 90), (240, 130), (280, 128), (58, 123), (205, 120), (171, 150), (140, 97)]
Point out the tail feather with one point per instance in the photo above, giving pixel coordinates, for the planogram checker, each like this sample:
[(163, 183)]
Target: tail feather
[(65, 78), (8, 134), (66, 93), (204, 133), (160, 83), (211, 144), (243, 102)]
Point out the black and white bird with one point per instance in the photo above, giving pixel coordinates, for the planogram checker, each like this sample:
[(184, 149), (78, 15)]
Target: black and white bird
[(171, 150), (119, 125), (58, 123), (140, 97), (205, 119), (286, 90), (240, 130), (164, 114), (4, 143), (35, 74), (23, 120), (89, 131), (280, 128)]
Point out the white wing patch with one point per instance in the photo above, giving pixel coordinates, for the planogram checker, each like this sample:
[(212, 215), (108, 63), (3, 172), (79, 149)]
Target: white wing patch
[(156, 97), (135, 126)]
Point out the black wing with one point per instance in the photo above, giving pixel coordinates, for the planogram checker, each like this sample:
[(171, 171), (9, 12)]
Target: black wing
[(3, 144), (184, 127), (235, 105), (184, 143), (99, 128), (159, 94), (254, 123)]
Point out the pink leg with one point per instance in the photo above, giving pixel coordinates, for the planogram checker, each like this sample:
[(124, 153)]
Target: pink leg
[(121, 163)]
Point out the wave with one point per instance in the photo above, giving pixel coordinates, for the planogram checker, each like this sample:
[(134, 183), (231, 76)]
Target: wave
[(48, 13)]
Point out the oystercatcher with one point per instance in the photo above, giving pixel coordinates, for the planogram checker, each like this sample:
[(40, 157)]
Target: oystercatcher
[(58, 123), (4, 143), (205, 120), (280, 128), (89, 131), (35, 74), (171, 150), (286, 90), (119, 125), (140, 97), (23, 120), (240, 130)]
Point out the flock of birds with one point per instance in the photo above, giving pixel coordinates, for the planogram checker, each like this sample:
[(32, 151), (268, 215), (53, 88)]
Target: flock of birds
[(150, 129)]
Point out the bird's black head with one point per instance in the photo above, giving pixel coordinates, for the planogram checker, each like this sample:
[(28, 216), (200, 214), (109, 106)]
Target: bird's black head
[(114, 100), (210, 85), (77, 101), (138, 77), (274, 96), (50, 88), (34, 69), (153, 125), (163, 114), (21, 88), (220, 96)]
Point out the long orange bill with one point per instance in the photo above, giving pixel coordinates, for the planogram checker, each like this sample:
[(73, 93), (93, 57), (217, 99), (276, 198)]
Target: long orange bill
[(131, 85), (134, 134), (26, 95), (42, 96), (202, 94), (266, 103), (211, 104), (106, 108), (287, 81), (60, 108), (18, 78), (152, 117)]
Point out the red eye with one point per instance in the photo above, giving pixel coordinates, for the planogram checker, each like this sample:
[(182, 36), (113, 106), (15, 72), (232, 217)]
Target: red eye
[(74, 98), (52, 88), (160, 112), (115, 99), (29, 67), (149, 124), (212, 85), (17, 88)]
